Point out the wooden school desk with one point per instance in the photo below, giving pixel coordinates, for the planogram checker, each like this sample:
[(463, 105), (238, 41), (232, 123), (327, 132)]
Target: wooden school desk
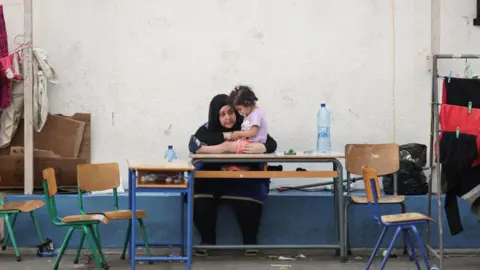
[(163, 169), (302, 157)]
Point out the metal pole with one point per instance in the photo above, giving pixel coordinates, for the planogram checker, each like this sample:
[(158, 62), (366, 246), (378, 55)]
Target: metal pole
[(454, 56), (431, 156), (438, 172), (28, 96)]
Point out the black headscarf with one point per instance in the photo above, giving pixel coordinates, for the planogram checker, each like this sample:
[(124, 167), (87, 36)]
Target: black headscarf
[(214, 124)]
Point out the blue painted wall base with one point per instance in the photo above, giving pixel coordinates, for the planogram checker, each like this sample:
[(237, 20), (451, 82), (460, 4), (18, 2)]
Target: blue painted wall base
[(291, 217)]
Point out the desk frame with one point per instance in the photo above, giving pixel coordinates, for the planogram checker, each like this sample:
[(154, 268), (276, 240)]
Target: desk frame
[(339, 215), (187, 188)]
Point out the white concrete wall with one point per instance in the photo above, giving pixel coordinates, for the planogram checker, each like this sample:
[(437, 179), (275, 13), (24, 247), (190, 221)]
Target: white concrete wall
[(147, 69)]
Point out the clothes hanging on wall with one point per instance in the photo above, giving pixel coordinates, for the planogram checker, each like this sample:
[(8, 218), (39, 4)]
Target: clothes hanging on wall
[(43, 74), (5, 91), (461, 91), (462, 180), (453, 117), (459, 145)]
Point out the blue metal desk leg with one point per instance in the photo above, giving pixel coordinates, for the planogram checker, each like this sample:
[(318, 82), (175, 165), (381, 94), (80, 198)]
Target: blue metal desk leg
[(134, 219), (341, 214), (130, 181), (335, 208), (182, 224), (190, 219)]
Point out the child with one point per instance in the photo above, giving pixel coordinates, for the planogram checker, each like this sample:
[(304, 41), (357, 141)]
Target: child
[(254, 126)]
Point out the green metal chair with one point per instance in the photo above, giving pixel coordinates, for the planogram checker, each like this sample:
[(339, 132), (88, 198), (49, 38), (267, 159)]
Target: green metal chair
[(84, 223), (101, 177), (9, 211)]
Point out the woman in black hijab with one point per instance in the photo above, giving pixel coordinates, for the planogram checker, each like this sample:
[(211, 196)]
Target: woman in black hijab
[(246, 195)]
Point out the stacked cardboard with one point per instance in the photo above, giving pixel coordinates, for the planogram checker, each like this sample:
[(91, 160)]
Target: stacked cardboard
[(63, 143)]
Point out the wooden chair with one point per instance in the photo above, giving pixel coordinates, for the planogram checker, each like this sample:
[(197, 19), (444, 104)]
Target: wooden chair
[(385, 159), (404, 222), (84, 223), (9, 211), (100, 177)]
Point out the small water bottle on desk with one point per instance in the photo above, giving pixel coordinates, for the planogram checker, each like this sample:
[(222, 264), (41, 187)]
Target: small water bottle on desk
[(323, 130), (170, 155)]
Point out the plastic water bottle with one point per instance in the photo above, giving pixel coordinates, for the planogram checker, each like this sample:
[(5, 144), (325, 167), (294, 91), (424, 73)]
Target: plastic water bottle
[(170, 154), (323, 130)]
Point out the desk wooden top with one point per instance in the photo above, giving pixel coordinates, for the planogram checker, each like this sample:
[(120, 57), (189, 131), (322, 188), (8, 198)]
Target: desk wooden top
[(279, 155), (176, 165)]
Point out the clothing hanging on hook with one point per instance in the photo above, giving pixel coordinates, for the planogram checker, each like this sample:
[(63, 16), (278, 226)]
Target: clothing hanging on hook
[(5, 90), (461, 91)]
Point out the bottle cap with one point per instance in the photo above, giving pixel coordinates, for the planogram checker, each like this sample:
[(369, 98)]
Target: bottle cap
[(170, 147), (322, 105)]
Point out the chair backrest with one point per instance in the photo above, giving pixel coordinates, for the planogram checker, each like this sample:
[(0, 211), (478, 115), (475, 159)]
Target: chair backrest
[(50, 189), (51, 181), (384, 158), (372, 189), (98, 177)]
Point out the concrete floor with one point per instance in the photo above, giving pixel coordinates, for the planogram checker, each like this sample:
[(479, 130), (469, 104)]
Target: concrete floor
[(233, 262)]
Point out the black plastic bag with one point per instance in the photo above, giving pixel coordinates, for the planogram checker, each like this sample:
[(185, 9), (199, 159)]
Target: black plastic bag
[(411, 178)]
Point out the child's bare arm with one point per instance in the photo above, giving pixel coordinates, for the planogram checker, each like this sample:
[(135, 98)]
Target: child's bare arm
[(226, 147), (245, 134)]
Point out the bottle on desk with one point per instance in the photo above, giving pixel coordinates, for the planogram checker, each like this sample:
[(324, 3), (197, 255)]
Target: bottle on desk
[(170, 155), (323, 130)]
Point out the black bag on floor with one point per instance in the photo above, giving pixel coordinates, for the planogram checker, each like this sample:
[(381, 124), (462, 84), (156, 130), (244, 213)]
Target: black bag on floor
[(411, 178)]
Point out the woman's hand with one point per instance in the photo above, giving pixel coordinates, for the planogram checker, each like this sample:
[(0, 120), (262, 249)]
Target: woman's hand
[(254, 148), (227, 136)]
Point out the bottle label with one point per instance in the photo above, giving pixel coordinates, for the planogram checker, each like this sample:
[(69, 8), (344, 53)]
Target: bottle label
[(324, 132)]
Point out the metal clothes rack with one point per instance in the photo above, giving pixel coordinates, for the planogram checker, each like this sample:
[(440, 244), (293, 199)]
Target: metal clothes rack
[(435, 164)]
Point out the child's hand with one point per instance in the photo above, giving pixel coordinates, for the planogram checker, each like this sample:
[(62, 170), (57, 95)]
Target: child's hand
[(235, 136)]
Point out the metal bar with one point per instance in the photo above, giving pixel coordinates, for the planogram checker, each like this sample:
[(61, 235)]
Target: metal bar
[(265, 174), (267, 246), (335, 209), (133, 233), (161, 259), (455, 56), (437, 166), (190, 203), (263, 160), (160, 190), (141, 244), (182, 225), (395, 184), (341, 212), (433, 251), (431, 156)]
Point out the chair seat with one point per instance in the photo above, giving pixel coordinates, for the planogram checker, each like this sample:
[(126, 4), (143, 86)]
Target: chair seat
[(85, 218), (123, 214), (23, 206), (406, 217), (383, 200)]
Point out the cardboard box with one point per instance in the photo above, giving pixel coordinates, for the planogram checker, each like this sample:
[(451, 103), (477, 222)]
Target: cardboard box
[(12, 171), (61, 135), (20, 151), (85, 145)]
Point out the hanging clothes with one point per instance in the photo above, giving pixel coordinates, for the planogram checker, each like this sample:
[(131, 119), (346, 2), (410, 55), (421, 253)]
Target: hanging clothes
[(43, 73), (453, 117), (456, 156), (5, 91), (461, 91)]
